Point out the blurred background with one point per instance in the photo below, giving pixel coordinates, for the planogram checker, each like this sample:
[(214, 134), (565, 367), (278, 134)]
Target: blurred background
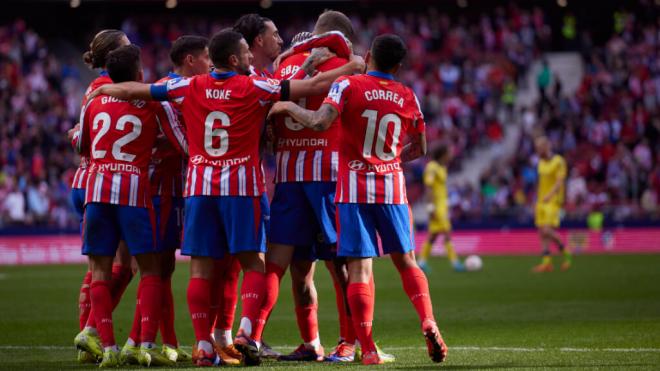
[(490, 76)]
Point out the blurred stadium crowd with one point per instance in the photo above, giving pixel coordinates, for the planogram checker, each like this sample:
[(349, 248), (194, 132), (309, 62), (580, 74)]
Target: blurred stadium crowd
[(466, 74)]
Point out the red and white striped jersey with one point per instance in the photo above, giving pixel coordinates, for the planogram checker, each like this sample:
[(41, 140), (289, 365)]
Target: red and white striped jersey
[(375, 113), (224, 114), (119, 136), (80, 177), (302, 154), (167, 163)]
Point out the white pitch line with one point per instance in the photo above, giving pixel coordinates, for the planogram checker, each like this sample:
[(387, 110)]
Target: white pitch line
[(459, 348)]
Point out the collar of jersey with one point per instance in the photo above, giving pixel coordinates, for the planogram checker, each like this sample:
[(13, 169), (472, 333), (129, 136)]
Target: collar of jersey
[(222, 76), (103, 73), (382, 75), (173, 75)]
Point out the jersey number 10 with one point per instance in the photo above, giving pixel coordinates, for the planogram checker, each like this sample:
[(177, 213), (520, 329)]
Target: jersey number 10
[(380, 135)]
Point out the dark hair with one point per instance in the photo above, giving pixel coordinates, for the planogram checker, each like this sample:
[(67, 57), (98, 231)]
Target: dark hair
[(388, 51), (103, 43), (251, 26), (223, 45), (124, 63), (440, 151), (185, 45), (332, 20)]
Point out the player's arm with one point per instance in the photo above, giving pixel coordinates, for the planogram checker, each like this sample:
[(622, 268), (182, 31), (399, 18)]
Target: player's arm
[(318, 120), (172, 127), (320, 84), (81, 139), (415, 149), (315, 59), (128, 90)]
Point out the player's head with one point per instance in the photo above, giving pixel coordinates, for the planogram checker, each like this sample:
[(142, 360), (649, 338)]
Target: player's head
[(261, 35), (123, 64), (386, 54), (103, 43), (543, 146), (442, 153), (190, 53), (332, 20), (228, 49)]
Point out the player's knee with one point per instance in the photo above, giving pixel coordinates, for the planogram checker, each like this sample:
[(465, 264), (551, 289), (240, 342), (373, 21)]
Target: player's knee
[(252, 262), (404, 261)]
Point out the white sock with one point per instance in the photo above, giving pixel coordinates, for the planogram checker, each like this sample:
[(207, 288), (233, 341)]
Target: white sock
[(113, 348), (148, 345), (314, 344), (91, 330), (246, 326), (222, 337), (130, 342), (205, 346)]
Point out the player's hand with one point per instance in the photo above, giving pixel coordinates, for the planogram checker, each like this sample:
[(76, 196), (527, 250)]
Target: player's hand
[(358, 62), (317, 58), (280, 58), (430, 208), (277, 108), (72, 132), (98, 91)]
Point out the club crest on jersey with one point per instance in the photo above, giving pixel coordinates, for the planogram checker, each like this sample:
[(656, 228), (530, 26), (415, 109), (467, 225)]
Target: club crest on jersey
[(357, 165), (337, 89)]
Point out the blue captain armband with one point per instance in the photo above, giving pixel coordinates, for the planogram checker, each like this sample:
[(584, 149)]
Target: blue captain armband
[(159, 92)]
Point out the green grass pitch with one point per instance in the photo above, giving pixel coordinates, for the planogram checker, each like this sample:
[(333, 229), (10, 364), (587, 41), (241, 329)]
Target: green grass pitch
[(603, 314)]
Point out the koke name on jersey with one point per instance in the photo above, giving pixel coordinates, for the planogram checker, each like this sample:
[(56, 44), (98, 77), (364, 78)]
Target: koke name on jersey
[(218, 94)]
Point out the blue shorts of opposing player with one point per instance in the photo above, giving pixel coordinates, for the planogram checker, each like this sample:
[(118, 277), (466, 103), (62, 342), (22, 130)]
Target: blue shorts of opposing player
[(105, 225), (215, 225), (169, 219), (360, 224), (303, 215)]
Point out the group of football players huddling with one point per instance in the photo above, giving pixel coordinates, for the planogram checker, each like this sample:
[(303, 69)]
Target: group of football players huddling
[(178, 164)]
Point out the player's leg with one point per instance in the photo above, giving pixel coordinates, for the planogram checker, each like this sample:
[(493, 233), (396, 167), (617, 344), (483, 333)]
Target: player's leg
[(452, 256), (227, 271), (204, 240), (427, 246), (306, 307), (546, 260), (345, 349), (554, 237), (101, 299), (243, 219), (394, 224)]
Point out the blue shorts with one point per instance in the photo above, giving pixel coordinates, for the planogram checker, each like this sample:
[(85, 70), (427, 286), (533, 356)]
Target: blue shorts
[(169, 220), (359, 223), (303, 213), (105, 225), (78, 201), (213, 225), (318, 251)]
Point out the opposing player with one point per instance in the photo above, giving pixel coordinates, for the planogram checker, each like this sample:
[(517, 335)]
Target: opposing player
[(435, 180), (550, 197), (376, 111), (103, 43), (223, 112), (120, 135), (190, 56)]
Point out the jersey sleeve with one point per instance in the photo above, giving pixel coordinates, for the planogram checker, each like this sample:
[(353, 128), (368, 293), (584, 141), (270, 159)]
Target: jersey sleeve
[(82, 139), (419, 125), (266, 89), (333, 40), (174, 90), (339, 93), (171, 126)]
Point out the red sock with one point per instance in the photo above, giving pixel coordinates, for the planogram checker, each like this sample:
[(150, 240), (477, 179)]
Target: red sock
[(229, 300), (215, 294), (252, 297), (121, 277), (198, 305), (346, 331), (137, 319), (151, 307), (417, 288), (308, 323), (84, 302), (102, 304), (167, 332), (273, 276), (361, 301)]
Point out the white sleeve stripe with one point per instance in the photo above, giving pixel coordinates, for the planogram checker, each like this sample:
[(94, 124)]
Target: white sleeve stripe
[(266, 86)]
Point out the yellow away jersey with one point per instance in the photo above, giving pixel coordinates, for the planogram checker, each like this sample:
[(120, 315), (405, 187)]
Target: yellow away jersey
[(435, 179), (549, 172)]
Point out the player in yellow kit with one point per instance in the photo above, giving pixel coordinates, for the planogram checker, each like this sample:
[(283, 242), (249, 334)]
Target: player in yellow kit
[(435, 180), (550, 197)]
